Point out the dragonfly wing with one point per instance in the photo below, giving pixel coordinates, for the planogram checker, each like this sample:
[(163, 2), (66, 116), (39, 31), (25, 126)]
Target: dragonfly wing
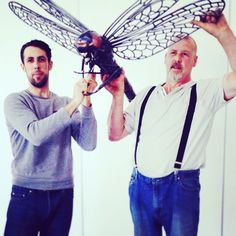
[(62, 15), (161, 32), (139, 14), (152, 42), (61, 35)]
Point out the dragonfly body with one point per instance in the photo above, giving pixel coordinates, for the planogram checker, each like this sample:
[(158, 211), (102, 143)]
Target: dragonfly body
[(98, 51)]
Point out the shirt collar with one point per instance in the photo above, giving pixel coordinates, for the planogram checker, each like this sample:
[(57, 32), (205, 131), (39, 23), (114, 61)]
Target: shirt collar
[(162, 92)]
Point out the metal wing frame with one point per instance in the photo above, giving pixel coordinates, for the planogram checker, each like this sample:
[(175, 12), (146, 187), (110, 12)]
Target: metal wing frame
[(61, 34), (62, 15), (151, 26), (144, 29)]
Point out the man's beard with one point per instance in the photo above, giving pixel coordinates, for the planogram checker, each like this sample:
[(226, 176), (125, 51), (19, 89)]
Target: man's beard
[(175, 72), (40, 84), (174, 77)]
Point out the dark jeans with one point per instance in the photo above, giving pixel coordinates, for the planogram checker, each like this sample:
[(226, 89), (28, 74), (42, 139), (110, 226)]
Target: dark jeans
[(171, 202), (33, 211)]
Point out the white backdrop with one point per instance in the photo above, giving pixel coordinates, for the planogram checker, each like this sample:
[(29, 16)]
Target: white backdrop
[(101, 206)]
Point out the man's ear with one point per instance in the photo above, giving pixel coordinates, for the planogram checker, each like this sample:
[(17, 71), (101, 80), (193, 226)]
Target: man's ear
[(22, 66), (195, 61), (50, 65), (165, 58)]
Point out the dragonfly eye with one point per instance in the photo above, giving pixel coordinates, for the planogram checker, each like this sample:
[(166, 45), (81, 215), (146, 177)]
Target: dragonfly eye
[(84, 47), (86, 37), (84, 42), (81, 44)]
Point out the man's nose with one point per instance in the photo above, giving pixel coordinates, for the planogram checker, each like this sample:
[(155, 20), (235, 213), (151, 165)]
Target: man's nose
[(178, 57), (36, 64)]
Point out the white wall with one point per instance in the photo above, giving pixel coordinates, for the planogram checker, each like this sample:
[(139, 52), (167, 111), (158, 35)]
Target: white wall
[(230, 160), (101, 200)]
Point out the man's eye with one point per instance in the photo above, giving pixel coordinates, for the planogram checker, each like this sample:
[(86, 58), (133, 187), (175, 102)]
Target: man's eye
[(186, 54), (29, 60), (41, 59)]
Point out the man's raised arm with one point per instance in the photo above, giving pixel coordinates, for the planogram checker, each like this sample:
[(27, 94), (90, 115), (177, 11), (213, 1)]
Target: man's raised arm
[(220, 29), (116, 120)]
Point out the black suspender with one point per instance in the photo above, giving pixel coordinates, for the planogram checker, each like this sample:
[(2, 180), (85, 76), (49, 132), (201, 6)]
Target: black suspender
[(186, 129), (140, 121)]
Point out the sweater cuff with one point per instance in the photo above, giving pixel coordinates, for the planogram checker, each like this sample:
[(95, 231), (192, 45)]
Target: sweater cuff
[(64, 116), (87, 111)]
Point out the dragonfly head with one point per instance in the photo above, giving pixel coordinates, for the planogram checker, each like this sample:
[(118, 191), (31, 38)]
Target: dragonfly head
[(88, 42)]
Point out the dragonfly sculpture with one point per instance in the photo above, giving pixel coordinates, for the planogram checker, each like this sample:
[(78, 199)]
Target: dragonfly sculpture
[(146, 28)]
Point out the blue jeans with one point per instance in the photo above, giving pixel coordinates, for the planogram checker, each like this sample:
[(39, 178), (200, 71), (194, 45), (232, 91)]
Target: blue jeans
[(33, 211), (171, 202)]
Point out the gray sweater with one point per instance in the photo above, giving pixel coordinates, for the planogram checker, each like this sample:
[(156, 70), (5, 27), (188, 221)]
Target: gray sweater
[(40, 133)]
